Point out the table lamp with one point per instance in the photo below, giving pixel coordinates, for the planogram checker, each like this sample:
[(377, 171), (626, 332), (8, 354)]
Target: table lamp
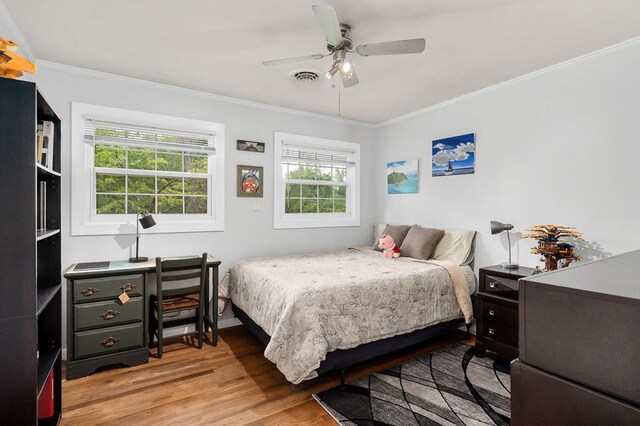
[(498, 227), (146, 220)]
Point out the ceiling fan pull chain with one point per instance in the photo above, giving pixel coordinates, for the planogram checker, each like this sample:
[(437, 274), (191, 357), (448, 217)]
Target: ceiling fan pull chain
[(339, 100)]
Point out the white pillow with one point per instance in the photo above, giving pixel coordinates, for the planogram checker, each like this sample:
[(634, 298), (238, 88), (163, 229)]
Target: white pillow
[(378, 229), (456, 246)]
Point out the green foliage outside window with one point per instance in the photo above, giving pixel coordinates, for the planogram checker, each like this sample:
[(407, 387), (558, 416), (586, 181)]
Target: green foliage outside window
[(309, 198), (131, 193)]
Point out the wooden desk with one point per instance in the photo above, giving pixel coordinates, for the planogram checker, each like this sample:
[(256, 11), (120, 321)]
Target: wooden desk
[(101, 330)]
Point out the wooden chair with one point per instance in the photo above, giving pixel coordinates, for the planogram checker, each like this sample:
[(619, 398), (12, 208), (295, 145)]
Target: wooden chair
[(177, 299)]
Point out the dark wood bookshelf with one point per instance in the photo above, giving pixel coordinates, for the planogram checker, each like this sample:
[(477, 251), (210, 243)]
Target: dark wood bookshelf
[(45, 295), (46, 363), (30, 259), (41, 235), (44, 169)]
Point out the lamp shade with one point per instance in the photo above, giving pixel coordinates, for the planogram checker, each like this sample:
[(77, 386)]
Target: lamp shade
[(146, 220), (498, 227)]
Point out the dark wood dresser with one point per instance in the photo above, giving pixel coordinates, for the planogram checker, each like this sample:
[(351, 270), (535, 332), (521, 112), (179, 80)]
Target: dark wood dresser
[(497, 310), (579, 346)]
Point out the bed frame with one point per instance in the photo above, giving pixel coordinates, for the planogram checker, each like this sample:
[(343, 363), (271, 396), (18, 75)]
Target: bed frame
[(341, 359)]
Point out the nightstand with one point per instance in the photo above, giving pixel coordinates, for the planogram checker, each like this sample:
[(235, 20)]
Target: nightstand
[(497, 310)]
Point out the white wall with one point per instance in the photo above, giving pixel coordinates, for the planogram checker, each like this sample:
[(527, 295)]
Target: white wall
[(247, 233), (561, 146)]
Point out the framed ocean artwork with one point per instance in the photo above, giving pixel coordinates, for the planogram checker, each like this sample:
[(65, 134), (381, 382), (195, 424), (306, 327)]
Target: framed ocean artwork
[(454, 156), (402, 177)]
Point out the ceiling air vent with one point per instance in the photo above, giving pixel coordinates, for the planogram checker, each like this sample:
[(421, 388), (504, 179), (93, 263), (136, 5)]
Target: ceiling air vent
[(305, 76)]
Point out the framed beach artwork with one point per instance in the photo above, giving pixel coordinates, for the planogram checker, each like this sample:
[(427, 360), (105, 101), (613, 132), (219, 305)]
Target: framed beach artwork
[(250, 180), (454, 156), (402, 177)]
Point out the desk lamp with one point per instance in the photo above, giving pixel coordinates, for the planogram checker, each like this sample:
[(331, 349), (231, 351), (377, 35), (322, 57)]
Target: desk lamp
[(146, 220), (498, 227)]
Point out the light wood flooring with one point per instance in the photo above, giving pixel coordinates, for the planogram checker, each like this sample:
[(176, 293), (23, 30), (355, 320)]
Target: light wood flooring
[(229, 384)]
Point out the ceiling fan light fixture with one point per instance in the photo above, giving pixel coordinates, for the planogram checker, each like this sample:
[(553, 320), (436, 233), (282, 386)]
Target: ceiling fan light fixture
[(345, 67), (334, 69)]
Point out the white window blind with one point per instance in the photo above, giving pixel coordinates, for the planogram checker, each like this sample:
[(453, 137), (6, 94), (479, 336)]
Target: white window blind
[(319, 156), (103, 131)]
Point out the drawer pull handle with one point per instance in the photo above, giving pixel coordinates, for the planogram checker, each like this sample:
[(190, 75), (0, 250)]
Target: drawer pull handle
[(128, 287), (110, 314), (109, 341), (492, 331), (492, 312), (89, 291), (492, 285)]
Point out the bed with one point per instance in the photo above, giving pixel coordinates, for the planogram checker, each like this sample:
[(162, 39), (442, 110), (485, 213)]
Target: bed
[(326, 311)]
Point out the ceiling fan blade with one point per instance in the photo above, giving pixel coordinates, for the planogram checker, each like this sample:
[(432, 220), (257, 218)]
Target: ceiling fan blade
[(399, 47), (295, 59), (329, 24), (349, 82)]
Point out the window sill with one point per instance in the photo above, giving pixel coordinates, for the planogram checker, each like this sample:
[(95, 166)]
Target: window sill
[(315, 221), (128, 227)]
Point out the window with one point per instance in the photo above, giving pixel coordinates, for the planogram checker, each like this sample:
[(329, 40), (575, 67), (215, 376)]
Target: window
[(316, 182), (132, 162)]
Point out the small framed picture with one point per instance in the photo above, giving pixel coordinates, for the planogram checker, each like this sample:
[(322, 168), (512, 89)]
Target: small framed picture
[(250, 179), (250, 146)]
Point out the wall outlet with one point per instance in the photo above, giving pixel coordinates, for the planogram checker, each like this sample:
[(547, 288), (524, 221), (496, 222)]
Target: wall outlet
[(255, 207)]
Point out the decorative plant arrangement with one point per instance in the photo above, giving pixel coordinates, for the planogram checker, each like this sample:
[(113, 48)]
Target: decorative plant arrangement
[(555, 252)]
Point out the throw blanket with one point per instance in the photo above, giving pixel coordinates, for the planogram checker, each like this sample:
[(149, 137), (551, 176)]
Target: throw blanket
[(313, 304)]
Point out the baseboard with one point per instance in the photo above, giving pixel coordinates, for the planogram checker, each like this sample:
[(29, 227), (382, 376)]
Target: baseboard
[(229, 322)]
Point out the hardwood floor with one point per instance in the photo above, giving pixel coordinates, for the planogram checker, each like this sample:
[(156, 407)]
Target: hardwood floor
[(229, 384)]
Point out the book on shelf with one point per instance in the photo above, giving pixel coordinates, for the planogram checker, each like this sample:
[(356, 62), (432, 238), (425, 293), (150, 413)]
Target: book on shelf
[(45, 143), (42, 206), (40, 143), (46, 401)]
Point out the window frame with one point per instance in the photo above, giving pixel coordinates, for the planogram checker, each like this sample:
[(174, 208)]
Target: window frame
[(282, 220), (84, 220)]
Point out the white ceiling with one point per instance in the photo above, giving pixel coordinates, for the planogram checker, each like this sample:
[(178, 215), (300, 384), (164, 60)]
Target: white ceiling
[(216, 46)]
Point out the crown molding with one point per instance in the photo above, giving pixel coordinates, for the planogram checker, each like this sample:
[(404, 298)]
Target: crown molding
[(15, 34), (55, 66), (562, 65)]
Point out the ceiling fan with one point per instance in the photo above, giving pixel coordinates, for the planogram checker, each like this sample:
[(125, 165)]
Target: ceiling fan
[(339, 45)]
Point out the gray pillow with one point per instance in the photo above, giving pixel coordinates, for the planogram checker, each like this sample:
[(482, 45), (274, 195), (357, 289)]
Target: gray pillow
[(397, 232), (421, 242)]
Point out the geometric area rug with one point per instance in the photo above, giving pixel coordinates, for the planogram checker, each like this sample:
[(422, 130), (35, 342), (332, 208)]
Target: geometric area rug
[(448, 387)]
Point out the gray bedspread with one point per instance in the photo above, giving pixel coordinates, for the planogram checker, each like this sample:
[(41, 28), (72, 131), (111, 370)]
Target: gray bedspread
[(313, 304)]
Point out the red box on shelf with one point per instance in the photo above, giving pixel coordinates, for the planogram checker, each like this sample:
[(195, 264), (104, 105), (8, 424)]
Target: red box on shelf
[(45, 401)]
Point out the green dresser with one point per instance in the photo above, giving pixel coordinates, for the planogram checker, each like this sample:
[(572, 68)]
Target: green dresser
[(101, 330)]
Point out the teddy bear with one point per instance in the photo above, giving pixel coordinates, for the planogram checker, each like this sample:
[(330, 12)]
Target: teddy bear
[(13, 65), (390, 249)]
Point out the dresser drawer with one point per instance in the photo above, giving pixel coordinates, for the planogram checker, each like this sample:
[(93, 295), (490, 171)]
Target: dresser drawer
[(499, 314), (500, 333), (106, 340), (107, 313), (500, 286), (89, 290)]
